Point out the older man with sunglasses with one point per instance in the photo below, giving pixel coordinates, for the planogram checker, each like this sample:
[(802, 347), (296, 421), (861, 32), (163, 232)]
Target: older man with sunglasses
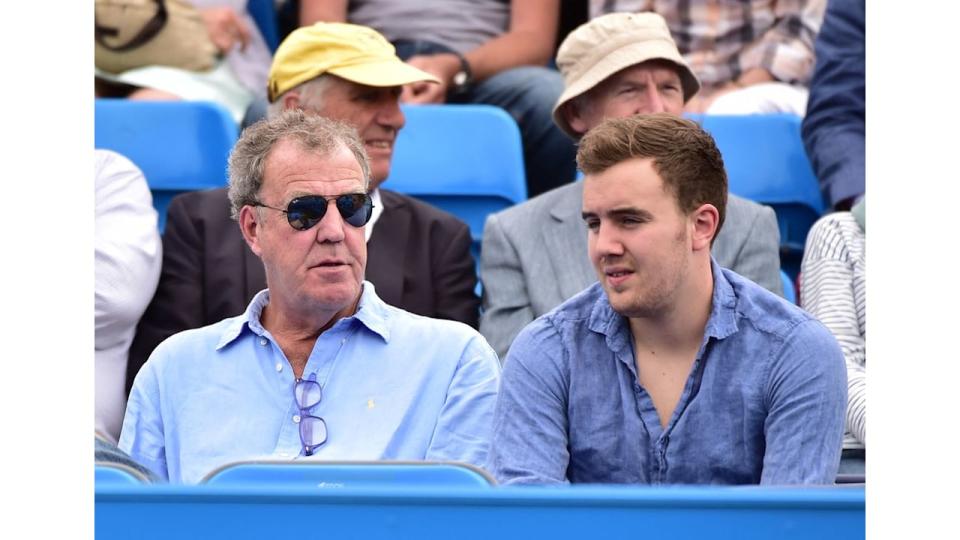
[(419, 255), (318, 365)]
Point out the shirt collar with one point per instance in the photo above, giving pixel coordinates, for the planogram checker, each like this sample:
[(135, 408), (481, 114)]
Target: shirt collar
[(372, 312), (721, 324)]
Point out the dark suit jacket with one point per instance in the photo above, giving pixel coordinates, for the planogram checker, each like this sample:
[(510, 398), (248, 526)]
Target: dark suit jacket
[(418, 258)]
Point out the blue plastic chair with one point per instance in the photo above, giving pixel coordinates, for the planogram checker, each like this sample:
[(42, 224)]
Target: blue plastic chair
[(334, 474), (264, 14), (179, 145), (767, 163), (789, 291), (116, 474), (465, 159)]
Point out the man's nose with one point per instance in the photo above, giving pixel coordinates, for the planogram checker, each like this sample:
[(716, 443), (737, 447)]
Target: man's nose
[(607, 242), (391, 115), (330, 227), (652, 102)]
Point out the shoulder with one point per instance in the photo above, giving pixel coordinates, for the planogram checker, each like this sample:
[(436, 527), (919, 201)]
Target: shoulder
[(780, 320), (203, 203), (564, 199), (428, 333), (833, 235), (745, 210), (419, 210), (191, 346), (552, 330)]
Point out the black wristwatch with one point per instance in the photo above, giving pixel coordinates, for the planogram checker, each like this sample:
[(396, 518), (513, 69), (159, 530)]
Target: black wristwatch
[(462, 79)]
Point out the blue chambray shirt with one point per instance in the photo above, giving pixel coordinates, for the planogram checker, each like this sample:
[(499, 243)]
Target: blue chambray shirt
[(764, 402), (395, 386)]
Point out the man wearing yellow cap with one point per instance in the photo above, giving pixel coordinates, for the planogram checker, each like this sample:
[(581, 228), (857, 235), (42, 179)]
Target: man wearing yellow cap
[(419, 256), (317, 365)]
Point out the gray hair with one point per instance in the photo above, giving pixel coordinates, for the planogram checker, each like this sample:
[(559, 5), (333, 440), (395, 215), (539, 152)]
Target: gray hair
[(312, 132), (311, 94)]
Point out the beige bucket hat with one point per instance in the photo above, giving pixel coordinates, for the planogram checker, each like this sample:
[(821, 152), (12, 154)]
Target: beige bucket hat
[(603, 46)]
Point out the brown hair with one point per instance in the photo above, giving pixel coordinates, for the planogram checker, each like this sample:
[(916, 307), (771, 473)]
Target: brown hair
[(684, 155)]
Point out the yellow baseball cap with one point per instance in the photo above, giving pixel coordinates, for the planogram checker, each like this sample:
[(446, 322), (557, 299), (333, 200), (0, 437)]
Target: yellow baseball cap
[(356, 53)]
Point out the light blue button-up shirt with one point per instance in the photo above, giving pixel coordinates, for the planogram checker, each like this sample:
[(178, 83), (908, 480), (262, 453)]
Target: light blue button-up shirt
[(764, 402), (396, 386)]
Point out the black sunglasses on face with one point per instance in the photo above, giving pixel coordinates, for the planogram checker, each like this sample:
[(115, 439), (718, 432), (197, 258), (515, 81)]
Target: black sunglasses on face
[(305, 212)]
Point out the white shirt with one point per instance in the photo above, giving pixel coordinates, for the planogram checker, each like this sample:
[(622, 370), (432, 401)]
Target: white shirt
[(127, 268)]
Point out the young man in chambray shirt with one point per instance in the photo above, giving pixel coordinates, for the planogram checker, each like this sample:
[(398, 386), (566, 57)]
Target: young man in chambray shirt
[(671, 369)]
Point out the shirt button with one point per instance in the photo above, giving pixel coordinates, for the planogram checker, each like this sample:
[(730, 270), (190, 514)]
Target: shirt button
[(279, 367), (342, 341), (263, 341), (296, 419)]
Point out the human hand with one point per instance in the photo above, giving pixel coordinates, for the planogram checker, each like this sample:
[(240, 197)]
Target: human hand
[(442, 66), (225, 28)]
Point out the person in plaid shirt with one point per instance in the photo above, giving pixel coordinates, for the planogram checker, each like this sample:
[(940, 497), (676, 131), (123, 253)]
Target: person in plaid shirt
[(750, 57)]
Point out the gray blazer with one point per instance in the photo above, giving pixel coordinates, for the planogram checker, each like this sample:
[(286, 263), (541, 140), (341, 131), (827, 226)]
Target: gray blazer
[(534, 256)]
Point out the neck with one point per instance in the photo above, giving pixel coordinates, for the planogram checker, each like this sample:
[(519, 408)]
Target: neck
[(296, 331), (681, 324)]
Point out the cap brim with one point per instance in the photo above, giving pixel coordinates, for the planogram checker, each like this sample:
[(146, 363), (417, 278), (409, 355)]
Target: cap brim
[(617, 60), (383, 73)]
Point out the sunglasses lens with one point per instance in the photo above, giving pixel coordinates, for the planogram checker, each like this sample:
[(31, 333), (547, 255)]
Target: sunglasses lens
[(305, 212), (356, 208)]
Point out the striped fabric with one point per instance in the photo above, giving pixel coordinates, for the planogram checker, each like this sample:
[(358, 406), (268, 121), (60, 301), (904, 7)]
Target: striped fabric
[(722, 39), (833, 289)]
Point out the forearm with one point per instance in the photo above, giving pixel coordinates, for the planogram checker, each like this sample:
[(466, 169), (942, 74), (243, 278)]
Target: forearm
[(529, 41), (785, 51), (312, 11)]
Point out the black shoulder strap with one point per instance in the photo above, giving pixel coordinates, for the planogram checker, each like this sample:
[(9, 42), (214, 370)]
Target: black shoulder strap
[(149, 30)]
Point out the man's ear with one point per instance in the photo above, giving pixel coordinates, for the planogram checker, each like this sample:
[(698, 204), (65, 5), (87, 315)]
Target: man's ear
[(290, 100), (250, 228), (705, 221), (573, 114)]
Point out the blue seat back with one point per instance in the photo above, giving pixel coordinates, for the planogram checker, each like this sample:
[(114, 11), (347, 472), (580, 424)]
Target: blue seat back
[(767, 163), (349, 474), (179, 145), (789, 291), (465, 159), (116, 474), (677, 512)]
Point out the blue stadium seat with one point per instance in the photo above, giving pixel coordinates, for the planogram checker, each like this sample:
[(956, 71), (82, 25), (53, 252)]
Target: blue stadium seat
[(179, 145), (766, 162), (789, 291), (264, 13), (116, 474), (332, 474), (465, 159)]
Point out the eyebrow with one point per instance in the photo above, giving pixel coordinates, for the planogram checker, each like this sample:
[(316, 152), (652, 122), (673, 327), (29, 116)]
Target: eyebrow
[(620, 212)]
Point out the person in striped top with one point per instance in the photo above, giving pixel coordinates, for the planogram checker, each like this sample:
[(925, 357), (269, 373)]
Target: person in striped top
[(833, 289)]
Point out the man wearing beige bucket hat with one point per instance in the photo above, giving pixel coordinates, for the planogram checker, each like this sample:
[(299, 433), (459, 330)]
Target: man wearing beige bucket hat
[(419, 256), (534, 255)]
